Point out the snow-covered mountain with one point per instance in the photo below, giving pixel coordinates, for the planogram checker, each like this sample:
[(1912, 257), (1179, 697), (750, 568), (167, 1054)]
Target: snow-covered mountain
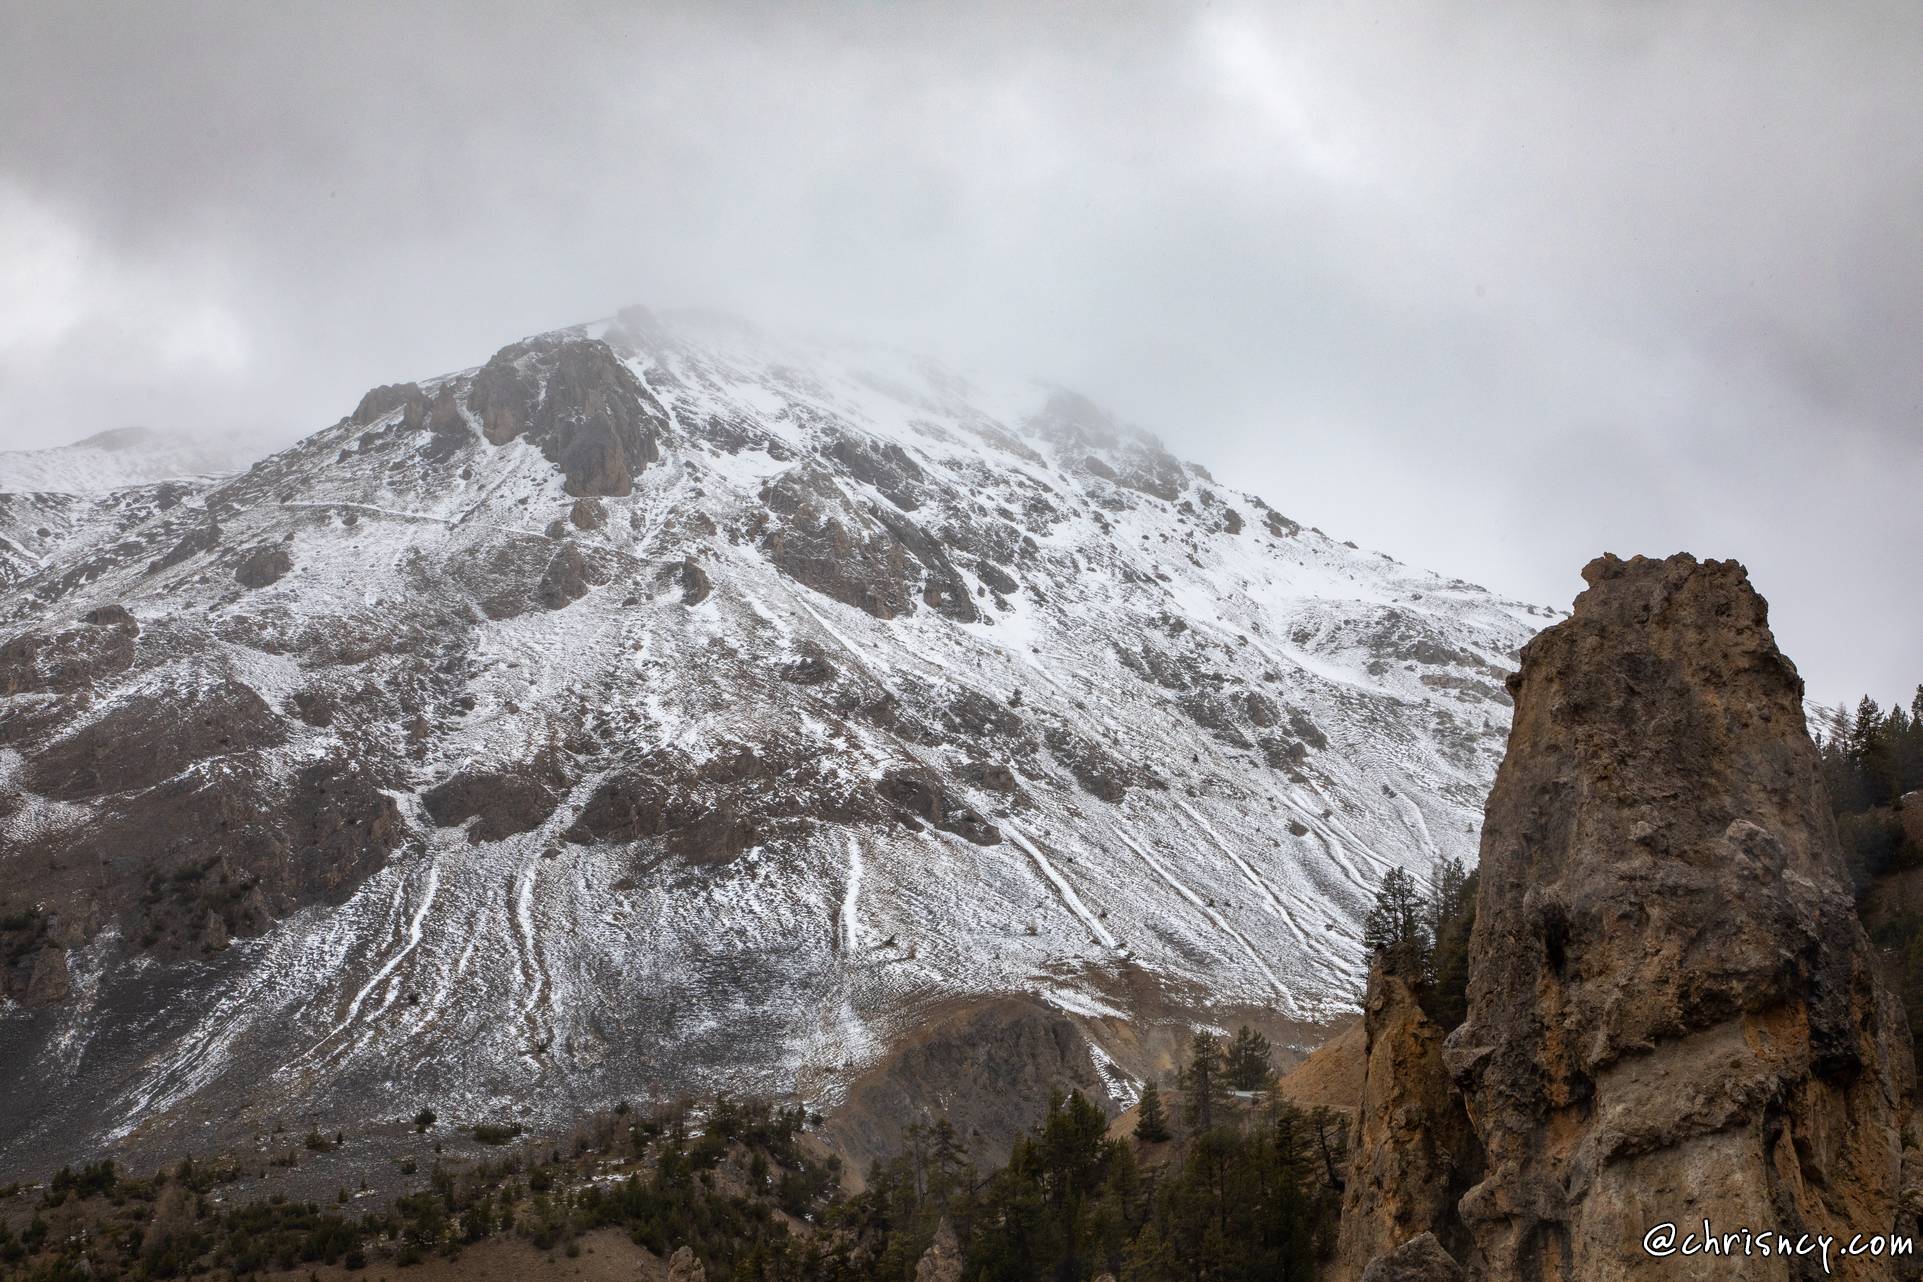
[(124, 456), (663, 705)]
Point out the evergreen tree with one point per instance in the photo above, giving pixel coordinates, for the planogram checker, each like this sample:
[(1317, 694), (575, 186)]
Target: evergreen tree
[(1395, 929), (1870, 750), (1202, 1086), (1453, 914), (1151, 1123), (948, 1169), (1909, 749), (1247, 1064)]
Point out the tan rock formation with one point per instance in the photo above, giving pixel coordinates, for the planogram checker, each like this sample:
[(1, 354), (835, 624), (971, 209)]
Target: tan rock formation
[(942, 1261), (1420, 1259), (1673, 1011), (1414, 1152), (684, 1267)]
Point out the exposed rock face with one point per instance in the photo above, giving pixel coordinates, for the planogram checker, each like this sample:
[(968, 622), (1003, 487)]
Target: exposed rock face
[(683, 1266), (1420, 1259), (942, 1261), (824, 541), (575, 400), (48, 980), (588, 514), (566, 580), (922, 795), (1673, 1012), (69, 660), (1415, 1153), (987, 1066), (200, 537), (694, 581), (136, 745), (263, 567), (712, 810), (507, 800)]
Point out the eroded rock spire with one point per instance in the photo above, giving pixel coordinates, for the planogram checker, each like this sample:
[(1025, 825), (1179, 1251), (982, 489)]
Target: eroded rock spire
[(1673, 1011)]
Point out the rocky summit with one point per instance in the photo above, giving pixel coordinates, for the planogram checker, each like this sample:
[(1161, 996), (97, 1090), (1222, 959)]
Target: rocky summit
[(667, 706), (1674, 1016)]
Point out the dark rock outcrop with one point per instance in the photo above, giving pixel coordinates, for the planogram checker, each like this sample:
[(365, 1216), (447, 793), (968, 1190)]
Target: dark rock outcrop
[(200, 537), (36, 663), (810, 669), (1674, 1014), (822, 541), (502, 801), (943, 588), (882, 464), (588, 514), (987, 1065), (921, 794), (48, 978), (710, 811), (381, 401), (695, 584), (1093, 768), (143, 741), (576, 401), (566, 580), (263, 566)]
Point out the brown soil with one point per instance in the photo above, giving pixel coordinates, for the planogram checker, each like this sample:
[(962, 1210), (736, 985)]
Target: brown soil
[(607, 1255), (1332, 1074)]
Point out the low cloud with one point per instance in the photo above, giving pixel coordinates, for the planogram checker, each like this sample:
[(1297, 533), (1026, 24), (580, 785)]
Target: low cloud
[(1491, 287)]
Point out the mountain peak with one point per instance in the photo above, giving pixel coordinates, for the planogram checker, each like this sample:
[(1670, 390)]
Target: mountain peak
[(664, 706)]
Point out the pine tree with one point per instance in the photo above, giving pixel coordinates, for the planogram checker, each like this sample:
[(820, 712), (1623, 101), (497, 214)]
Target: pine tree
[(1395, 927), (1151, 1123), (1870, 750), (1453, 918), (947, 1162), (1247, 1066), (1909, 749), (1202, 1083)]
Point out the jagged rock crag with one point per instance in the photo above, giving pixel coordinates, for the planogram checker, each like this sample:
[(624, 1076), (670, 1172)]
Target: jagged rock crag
[(1673, 1011)]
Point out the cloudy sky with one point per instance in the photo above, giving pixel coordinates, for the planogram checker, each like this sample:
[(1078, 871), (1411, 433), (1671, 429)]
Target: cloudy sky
[(1492, 287)]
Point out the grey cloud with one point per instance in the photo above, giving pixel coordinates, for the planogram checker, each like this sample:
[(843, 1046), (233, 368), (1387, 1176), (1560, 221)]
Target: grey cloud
[(1492, 287)]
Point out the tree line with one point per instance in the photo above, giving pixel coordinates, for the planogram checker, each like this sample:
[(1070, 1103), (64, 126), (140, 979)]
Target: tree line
[(1420, 933), (1246, 1186), (1870, 761)]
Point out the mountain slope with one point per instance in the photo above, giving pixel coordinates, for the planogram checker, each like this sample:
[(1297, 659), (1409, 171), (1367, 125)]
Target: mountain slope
[(662, 705), (119, 458)]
